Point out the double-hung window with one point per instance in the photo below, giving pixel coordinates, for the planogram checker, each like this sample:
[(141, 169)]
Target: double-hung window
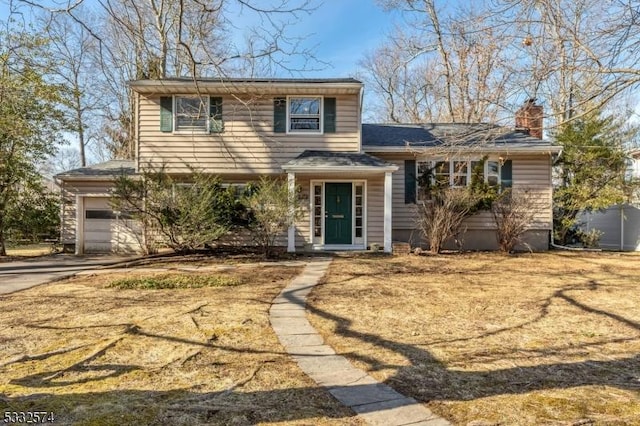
[(305, 115), (191, 113)]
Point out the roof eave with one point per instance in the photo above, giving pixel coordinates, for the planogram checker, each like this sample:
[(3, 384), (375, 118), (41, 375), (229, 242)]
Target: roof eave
[(77, 178), (404, 149), (242, 87), (341, 169)]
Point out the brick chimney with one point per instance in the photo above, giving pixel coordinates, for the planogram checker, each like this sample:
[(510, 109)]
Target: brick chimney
[(529, 118)]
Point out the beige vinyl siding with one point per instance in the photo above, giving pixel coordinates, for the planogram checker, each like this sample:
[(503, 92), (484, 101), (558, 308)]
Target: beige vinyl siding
[(248, 143), (375, 210), (531, 172)]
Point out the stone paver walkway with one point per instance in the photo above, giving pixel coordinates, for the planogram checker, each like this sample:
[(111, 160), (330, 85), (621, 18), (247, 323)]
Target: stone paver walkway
[(375, 402)]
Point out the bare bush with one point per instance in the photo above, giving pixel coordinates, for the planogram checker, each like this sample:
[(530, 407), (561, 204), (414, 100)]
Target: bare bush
[(513, 212), (441, 217)]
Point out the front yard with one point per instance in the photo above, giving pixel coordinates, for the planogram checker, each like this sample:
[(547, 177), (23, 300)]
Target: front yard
[(95, 355), (481, 339), (487, 339)]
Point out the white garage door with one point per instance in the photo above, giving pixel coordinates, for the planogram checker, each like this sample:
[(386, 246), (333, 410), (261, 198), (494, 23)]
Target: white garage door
[(105, 231)]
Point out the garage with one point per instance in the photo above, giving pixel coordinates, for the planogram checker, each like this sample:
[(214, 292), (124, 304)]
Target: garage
[(106, 230)]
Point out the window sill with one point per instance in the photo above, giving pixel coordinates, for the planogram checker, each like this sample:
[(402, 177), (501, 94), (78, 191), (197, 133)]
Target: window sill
[(293, 132)]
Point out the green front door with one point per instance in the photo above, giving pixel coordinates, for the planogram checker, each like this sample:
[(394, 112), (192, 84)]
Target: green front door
[(337, 222)]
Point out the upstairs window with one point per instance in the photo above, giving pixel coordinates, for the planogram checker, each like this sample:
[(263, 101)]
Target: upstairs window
[(192, 113), (305, 115)]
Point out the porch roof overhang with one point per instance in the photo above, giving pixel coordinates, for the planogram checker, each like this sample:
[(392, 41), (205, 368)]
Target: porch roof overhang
[(109, 170), (337, 162)]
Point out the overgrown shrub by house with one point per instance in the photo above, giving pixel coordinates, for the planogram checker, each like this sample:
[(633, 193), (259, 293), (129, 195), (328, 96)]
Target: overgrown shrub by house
[(272, 209), (186, 215)]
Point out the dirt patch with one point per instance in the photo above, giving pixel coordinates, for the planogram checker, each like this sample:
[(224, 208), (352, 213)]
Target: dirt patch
[(95, 355), (549, 338)]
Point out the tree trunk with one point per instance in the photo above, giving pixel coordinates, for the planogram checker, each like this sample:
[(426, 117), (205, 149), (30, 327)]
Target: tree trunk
[(3, 250)]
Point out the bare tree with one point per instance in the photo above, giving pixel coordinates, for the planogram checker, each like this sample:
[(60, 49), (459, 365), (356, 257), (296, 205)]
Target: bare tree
[(72, 47), (451, 69), (139, 39), (479, 64)]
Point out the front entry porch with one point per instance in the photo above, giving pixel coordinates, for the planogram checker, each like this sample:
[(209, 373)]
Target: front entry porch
[(347, 198)]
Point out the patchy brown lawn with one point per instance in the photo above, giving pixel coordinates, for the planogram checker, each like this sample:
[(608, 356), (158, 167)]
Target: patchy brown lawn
[(550, 338), (27, 250), (96, 355)]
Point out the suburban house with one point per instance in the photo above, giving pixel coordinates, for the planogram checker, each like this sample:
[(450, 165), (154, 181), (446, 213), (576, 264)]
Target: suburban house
[(358, 181)]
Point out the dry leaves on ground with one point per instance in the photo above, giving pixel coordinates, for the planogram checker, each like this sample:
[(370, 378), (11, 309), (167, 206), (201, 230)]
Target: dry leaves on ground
[(100, 356), (548, 338)]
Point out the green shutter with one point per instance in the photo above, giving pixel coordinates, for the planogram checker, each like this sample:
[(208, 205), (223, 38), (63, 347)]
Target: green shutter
[(410, 181), (506, 174), (166, 114), (329, 115), (216, 125), (280, 115)]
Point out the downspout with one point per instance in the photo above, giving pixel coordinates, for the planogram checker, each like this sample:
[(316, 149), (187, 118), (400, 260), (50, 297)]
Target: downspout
[(360, 118), (559, 247)]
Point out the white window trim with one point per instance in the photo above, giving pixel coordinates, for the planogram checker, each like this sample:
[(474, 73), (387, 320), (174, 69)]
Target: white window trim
[(452, 174), (321, 113), (174, 116)]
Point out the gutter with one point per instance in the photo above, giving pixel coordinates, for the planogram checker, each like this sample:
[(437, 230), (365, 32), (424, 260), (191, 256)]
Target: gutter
[(551, 150)]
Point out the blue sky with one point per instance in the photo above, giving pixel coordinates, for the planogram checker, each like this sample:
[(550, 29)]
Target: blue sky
[(343, 31), (339, 31)]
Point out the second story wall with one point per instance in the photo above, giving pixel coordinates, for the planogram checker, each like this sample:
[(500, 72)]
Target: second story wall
[(248, 134)]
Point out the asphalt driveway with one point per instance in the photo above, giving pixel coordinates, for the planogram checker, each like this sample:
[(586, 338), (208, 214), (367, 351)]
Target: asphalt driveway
[(22, 274)]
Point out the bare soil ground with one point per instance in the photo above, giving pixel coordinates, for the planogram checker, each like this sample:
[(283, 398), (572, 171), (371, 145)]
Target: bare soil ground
[(95, 355), (487, 339)]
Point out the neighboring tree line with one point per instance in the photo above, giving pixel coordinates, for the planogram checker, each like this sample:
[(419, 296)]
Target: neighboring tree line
[(30, 125)]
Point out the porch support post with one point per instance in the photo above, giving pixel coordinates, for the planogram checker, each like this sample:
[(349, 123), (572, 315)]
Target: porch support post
[(387, 211), (291, 236)]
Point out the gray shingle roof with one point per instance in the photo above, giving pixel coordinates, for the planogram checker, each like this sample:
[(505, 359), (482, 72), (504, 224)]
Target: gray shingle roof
[(107, 169), (329, 159), (447, 134)]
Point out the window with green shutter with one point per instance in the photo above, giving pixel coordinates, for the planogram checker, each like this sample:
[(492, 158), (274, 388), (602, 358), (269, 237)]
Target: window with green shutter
[(410, 181), (166, 114), (506, 174), (280, 115), (216, 125), (329, 115), (457, 172)]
